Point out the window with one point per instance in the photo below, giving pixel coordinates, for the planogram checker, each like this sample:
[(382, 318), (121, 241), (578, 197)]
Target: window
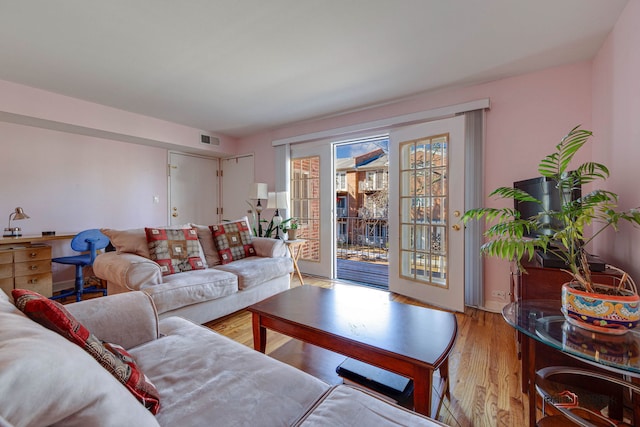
[(341, 181), (374, 180), (423, 203), (342, 207), (305, 203)]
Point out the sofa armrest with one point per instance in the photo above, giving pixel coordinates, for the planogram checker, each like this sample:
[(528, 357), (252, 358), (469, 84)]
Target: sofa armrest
[(127, 270), (127, 319), (267, 247)]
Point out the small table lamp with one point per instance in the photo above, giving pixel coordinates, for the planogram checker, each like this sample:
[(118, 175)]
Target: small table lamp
[(258, 191), (15, 215)]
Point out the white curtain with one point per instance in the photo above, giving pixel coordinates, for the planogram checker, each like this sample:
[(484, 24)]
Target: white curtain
[(474, 197)]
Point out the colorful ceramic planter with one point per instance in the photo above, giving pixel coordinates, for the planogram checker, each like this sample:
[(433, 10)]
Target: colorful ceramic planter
[(599, 312)]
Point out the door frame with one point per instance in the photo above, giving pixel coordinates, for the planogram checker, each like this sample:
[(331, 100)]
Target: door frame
[(451, 296)]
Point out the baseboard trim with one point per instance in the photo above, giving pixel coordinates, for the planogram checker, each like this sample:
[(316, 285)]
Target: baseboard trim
[(494, 306)]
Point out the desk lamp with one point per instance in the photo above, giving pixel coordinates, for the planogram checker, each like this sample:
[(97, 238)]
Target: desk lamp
[(15, 231)]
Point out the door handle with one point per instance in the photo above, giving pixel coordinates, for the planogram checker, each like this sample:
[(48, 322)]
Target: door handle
[(175, 214), (456, 227)]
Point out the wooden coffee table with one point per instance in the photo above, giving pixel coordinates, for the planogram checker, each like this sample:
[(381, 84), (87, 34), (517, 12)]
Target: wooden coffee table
[(363, 324)]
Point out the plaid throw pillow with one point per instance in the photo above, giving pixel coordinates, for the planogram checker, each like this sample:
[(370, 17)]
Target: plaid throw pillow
[(175, 250), (115, 359), (233, 241)]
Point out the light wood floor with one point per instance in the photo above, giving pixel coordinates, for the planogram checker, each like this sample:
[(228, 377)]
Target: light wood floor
[(484, 369)]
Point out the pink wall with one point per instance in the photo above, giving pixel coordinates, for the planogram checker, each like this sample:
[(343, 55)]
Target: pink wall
[(40, 104), (528, 117), (68, 182), (616, 125)]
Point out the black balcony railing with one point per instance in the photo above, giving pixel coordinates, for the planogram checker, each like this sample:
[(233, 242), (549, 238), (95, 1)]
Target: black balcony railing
[(360, 239)]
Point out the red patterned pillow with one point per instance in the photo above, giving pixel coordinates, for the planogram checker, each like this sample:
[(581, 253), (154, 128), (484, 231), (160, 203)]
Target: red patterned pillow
[(232, 240), (113, 358), (175, 250)]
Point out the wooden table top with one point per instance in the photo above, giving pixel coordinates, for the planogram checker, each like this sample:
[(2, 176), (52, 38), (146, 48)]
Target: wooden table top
[(368, 317)]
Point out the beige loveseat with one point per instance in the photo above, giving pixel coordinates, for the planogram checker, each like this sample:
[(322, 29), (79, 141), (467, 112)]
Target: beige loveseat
[(203, 379), (198, 295)]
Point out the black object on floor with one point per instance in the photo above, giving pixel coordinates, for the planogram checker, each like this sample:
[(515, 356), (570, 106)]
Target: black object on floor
[(392, 385)]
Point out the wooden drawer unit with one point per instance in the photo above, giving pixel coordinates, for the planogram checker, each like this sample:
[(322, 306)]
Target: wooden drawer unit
[(6, 271), (26, 267), (33, 253)]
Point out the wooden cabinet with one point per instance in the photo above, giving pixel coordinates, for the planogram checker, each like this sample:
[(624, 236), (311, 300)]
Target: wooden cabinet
[(539, 283), (546, 283), (26, 267)]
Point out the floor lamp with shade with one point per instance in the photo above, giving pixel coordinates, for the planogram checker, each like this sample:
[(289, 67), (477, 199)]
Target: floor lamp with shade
[(278, 200), (258, 192)]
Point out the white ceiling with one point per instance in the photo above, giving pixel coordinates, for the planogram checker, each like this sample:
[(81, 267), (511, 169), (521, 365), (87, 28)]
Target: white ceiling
[(237, 67)]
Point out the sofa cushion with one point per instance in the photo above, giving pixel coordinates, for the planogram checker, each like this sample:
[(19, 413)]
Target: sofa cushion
[(208, 379), (346, 406), (254, 271), (233, 241), (112, 357), (206, 241), (180, 290), (208, 246), (175, 249), (132, 241), (47, 380)]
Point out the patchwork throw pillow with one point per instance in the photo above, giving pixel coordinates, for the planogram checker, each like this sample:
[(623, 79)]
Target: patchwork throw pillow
[(233, 241), (175, 250), (115, 359)]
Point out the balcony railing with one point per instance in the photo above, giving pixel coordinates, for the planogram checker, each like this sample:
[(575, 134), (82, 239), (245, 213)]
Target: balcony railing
[(362, 239), (372, 185)]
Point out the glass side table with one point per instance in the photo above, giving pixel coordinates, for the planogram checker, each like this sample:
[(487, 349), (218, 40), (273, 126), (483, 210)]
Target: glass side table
[(542, 321)]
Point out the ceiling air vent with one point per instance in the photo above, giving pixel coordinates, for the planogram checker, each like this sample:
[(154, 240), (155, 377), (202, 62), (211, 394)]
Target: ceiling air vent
[(209, 140)]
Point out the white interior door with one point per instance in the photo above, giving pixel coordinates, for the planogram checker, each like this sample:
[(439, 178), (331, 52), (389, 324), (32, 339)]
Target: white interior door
[(237, 177), (312, 202), (426, 173), (193, 189)]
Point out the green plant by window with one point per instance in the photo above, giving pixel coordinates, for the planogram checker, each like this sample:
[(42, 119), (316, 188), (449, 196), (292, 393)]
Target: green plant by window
[(567, 241)]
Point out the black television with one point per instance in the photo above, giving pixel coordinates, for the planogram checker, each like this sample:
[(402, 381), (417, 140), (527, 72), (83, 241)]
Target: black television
[(545, 190)]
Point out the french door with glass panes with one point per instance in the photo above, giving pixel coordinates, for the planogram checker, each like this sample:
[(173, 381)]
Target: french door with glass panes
[(311, 203), (426, 175)]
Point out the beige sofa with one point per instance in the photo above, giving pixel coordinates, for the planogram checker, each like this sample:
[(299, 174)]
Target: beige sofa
[(198, 295), (203, 378)]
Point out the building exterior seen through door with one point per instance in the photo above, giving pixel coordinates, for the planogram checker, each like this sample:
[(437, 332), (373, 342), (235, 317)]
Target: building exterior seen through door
[(362, 194)]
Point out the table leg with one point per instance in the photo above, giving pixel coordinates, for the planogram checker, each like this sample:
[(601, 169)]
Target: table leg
[(422, 391), (531, 386), (259, 334), (444, 374), (294, 257)]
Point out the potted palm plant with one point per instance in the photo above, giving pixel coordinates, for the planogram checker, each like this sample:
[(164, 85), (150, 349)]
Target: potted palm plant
[(610, 309)]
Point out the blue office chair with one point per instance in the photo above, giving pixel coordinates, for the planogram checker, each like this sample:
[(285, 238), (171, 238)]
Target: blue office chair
[(86, 241)]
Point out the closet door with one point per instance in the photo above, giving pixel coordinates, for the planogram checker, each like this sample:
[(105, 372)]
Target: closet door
[(237, 177), (193, 189)]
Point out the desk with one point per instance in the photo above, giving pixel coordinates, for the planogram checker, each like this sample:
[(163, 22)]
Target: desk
[(542, 321), (295, 249), (25, 262)]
